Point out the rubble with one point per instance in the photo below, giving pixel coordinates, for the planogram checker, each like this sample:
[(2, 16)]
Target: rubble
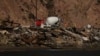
[(50, 37), (96, 38)]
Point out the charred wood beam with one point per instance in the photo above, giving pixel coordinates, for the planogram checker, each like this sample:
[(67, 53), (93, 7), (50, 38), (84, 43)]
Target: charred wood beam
[(75, 35)]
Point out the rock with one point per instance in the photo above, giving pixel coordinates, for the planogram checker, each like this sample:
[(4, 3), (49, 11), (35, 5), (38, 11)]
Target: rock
[(4, 40), (79, 43), (89, 26), (96, 38), (4, 32), (85, 38)]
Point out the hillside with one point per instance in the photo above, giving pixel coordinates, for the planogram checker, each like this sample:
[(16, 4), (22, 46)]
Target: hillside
[(73, 12)]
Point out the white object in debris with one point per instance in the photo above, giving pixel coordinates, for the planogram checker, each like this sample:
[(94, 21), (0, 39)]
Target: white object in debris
[(88, 30), (16, 28), (4, 31), (42, 25), (96, 38), (26, 32), (85, 38), (88, 26), (51, 21)]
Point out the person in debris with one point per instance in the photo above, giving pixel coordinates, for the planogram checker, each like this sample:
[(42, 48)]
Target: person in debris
[(38, 23)]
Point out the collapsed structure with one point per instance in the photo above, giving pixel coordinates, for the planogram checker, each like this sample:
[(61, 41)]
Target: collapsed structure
[(49, 34)]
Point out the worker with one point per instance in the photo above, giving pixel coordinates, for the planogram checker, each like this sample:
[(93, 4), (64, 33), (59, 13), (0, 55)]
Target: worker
[(39, 22)]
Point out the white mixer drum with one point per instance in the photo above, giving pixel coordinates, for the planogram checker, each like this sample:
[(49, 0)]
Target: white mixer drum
[(52, 20)]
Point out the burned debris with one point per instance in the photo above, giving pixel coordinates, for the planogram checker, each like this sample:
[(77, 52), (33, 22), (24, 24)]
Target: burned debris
[(48, 37)]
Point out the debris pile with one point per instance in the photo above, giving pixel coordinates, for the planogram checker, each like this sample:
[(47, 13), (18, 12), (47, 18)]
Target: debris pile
[(50, 37)]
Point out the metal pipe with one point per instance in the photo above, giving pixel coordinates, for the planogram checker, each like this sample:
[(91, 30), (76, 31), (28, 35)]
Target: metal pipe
[(36, 8)]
